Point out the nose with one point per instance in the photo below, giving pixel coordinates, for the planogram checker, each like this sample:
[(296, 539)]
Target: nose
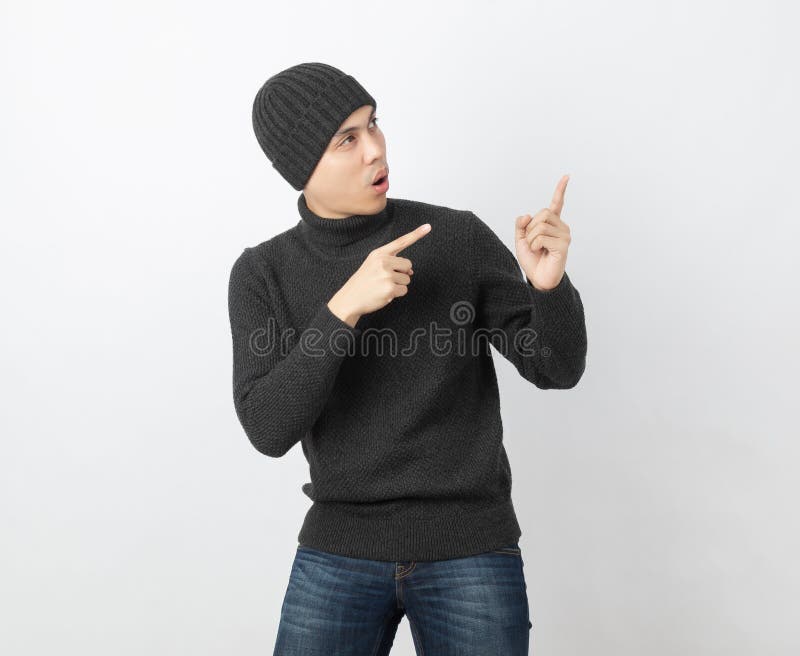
[(374, 149)]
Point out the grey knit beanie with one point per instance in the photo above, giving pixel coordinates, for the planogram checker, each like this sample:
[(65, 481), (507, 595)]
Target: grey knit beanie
[(296, 112)]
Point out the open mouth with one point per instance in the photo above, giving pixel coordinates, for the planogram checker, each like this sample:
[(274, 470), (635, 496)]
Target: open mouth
[(379, 181)]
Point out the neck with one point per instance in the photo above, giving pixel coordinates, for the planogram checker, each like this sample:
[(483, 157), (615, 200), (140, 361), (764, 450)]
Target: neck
[(343, 235)]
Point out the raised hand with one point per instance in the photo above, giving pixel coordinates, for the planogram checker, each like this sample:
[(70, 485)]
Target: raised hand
[(542, 242), (382, 277)]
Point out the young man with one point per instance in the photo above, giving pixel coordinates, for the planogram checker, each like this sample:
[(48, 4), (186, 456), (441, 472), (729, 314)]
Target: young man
[(363, 333)]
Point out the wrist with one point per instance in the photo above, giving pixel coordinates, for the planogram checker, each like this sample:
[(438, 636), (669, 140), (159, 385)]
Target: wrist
[(544, 289), (343, 311)]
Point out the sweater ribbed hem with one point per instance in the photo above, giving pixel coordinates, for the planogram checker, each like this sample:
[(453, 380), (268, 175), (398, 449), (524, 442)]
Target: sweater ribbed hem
[(415, 532)]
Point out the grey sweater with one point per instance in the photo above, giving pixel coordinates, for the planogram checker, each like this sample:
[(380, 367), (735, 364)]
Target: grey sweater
[(399, 417)]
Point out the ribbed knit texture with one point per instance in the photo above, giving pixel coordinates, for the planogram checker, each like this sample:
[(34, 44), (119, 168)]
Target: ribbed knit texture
[(402, 431), (296, 112)]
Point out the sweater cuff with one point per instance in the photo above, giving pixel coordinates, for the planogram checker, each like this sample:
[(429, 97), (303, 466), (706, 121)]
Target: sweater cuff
[(327, 322), (560, 299)]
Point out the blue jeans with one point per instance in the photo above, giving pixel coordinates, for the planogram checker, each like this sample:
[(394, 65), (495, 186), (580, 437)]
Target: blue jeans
[(342, 606)]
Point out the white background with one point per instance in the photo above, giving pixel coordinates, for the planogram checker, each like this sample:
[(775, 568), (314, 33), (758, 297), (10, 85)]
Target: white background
[(658, 499)]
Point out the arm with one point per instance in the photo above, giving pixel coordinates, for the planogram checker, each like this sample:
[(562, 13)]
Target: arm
[(278, 392), (508, 302)]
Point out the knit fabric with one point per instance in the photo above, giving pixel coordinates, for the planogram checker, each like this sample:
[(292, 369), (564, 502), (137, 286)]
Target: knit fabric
[(296, 112), (398, 417)]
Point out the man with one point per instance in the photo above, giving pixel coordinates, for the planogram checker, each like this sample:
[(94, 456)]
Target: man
[(362, 333)]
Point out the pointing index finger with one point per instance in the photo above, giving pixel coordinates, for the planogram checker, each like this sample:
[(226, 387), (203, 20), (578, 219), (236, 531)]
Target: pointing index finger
[(557, 204), (404, 241)]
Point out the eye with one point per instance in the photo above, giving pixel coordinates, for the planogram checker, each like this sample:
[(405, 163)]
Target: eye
[(374, 120)]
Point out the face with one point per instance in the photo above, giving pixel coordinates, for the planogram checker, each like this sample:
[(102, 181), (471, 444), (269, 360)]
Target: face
[(341, 184)]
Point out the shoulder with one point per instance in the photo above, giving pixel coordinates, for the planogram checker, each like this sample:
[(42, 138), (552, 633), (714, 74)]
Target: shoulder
[(258, 259), (418, 207), (273, 247), (441, 216)]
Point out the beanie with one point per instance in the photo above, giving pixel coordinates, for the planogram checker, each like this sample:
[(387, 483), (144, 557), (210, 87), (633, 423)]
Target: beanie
[(296, 112)]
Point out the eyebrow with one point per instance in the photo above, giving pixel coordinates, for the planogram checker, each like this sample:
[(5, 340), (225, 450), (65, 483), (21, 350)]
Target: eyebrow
[(352, 128)]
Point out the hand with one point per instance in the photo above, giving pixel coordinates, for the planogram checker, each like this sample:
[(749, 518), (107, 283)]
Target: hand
[(382, 277), (542, 242)]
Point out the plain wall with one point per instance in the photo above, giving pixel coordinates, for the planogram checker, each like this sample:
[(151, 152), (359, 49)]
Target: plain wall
[(658, 499)]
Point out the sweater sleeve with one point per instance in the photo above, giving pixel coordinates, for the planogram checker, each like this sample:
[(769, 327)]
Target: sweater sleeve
[(542, 333), (278, 391)]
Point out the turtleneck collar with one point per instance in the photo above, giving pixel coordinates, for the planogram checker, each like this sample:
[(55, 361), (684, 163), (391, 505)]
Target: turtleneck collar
[(336, 235)]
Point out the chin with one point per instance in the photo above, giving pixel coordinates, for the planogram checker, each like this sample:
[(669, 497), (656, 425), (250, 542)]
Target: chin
[(380, 202)]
